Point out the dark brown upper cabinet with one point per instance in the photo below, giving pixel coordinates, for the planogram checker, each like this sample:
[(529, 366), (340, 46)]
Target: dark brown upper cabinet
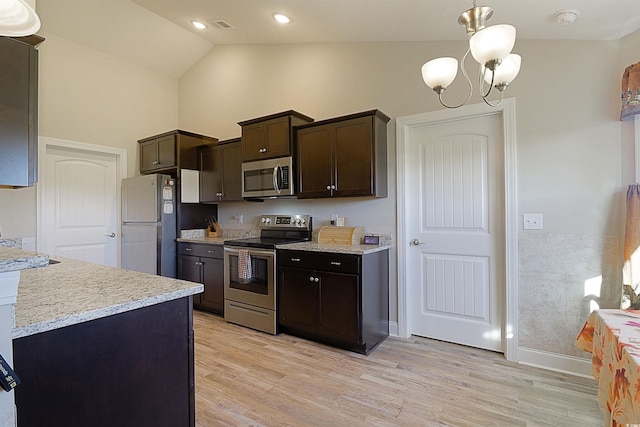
[(171, 151), (19, 107), (221, 172), (343, 157), (270, 136)]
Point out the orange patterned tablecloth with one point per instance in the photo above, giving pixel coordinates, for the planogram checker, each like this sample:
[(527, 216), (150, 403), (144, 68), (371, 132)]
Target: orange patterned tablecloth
[(613, 339)]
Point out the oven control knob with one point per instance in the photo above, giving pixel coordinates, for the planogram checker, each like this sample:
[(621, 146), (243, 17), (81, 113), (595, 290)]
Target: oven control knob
[(267, 220)]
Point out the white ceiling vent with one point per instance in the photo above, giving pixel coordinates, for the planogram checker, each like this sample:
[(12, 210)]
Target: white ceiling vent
[(223, 24)]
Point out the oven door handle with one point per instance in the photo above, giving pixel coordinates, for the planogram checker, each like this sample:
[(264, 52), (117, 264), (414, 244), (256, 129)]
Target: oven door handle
[(252, 251), (277, 171)]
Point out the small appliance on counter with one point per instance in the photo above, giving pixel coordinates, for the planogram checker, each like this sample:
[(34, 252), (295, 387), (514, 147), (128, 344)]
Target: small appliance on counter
[(250, 271), (149, 224)]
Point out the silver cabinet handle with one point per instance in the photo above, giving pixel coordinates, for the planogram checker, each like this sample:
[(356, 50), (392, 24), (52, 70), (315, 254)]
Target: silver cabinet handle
[(295, 259), (311, 279), (336, 263), (212, 252), (416, 242), (155, 162), (187, 249), (110, 235), (316, 279), (328, 187)]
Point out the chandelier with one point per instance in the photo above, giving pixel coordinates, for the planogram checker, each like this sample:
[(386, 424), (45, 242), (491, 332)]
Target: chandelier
[(489, 46), (17, 19)]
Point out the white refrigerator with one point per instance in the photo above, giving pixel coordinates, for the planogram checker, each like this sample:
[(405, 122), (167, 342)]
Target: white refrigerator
[(149, 224)]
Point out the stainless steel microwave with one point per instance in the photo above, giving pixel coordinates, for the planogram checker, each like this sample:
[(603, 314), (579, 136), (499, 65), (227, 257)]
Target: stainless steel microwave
[(268, 178)]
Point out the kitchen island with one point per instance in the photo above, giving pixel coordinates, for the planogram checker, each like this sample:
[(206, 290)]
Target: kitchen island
[(101, 346)]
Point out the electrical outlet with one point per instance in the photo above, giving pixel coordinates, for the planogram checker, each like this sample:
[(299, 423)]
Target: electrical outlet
[(239, 218), (532, 221)]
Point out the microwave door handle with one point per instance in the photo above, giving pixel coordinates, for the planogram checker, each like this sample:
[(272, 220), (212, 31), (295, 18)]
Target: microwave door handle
[(276, 181)]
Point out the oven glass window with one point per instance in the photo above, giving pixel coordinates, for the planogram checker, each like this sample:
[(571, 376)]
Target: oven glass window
[(258, 180), (255, 279)]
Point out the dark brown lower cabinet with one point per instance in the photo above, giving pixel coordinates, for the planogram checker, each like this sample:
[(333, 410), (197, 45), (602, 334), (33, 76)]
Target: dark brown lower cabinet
[(337, 299), (130, 369), (203, 263)]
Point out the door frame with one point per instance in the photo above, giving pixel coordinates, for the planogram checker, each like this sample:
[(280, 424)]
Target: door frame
[(507, 110), (46, 143)]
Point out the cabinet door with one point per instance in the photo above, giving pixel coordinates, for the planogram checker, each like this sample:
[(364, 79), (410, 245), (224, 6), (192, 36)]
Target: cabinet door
[(18, 121), (231, 156), (314, 162), (166, 152), (253, 141), (354, 158), (148, 156), (298, 299), (189, 268), (213, 279), (210, 175), (278, 137), (339, 306)]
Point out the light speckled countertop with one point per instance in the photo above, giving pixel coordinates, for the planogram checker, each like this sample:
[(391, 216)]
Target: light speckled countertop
[(74, 291), (312, 246), (12, 259)]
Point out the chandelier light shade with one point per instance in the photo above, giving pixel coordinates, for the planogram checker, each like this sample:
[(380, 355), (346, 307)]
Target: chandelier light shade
[(490, 47), (17, 19), (492, 44), (440, 72), (505, 72)]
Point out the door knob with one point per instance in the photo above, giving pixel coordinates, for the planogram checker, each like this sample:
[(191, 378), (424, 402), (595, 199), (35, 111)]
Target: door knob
[(416, 242), (110, 235)]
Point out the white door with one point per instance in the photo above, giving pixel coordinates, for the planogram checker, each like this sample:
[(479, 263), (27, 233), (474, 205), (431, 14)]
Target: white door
[(455, 196), (80, 205)]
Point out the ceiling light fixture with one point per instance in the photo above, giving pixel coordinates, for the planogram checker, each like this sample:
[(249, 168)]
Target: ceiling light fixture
[(17, 19), (490, 47), (283, 19), (565, 16), (199, 25)]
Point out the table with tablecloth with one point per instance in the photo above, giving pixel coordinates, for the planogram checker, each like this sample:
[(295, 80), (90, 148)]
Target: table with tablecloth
[(612, 337)]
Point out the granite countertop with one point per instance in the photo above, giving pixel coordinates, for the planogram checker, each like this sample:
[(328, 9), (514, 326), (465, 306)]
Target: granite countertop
[(199, 236), (75, 291), (314, 246), (13, 259)]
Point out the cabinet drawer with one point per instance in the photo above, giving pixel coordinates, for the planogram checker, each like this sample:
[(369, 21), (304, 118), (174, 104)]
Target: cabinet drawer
[(195, 249), (323, 261)]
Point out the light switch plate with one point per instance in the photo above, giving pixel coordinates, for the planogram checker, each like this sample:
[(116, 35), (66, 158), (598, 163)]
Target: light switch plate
[(532, 221)]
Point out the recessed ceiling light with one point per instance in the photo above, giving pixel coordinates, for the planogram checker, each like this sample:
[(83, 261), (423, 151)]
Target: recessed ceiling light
[(199, 25), (283, 19)]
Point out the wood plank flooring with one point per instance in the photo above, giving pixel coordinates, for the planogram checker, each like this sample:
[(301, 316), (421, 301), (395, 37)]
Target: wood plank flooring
[(249, 378)]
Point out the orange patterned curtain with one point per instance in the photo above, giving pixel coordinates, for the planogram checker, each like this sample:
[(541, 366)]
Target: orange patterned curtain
[(630, 92), (631, 268)]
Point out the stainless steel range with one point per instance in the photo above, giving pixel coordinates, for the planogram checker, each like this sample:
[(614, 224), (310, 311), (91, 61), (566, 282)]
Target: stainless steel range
[(250, 273)]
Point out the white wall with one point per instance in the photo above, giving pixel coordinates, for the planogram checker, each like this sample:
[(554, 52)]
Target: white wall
[(90, 97), (568, 142)]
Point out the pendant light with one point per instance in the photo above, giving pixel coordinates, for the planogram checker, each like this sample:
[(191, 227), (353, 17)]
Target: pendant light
[(490, 47), (17, 19)]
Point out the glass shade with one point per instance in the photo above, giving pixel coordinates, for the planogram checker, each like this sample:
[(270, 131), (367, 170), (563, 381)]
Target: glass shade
[(440, 72), (17, 19), (492, 43), (506, 71)]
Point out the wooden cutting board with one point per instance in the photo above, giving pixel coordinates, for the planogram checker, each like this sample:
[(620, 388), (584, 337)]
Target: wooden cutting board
[(341, 235)]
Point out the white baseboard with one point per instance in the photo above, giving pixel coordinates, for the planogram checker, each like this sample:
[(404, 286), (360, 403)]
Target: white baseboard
[(393, 329), (555, 362)]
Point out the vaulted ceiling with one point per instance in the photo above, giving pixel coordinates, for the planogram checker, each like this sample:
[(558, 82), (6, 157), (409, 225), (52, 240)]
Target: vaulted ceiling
[(158, 33)]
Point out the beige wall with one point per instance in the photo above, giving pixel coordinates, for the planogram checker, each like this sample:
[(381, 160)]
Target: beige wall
[(569, 161), (90, 97)]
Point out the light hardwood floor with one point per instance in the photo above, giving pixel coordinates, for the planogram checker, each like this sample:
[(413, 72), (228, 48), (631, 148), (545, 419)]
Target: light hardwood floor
[(249, 378)]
